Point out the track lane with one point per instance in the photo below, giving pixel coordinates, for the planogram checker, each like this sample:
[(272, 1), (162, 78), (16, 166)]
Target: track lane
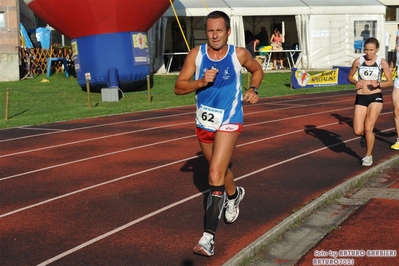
[(270, 168)]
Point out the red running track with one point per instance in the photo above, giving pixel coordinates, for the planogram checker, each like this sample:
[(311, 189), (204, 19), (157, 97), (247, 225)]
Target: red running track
[(128, 189)]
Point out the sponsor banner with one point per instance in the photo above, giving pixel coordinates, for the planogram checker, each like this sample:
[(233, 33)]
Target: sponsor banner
[(337, 75), (302, 79)]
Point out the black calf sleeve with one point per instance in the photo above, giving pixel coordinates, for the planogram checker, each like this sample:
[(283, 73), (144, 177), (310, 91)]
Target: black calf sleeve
[(214, 208)]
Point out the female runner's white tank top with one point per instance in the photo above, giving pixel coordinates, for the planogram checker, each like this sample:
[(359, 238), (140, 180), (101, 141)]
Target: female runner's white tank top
[(372, 72)]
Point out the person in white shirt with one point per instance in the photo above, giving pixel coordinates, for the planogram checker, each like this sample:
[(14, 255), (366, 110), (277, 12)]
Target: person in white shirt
[(387, 39)]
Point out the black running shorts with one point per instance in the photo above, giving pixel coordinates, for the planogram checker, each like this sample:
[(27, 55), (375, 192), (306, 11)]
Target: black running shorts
[(365, 100)]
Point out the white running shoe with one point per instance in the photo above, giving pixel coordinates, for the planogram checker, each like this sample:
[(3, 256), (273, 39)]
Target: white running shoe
[(232, 206), (205, 246), (367, 160)]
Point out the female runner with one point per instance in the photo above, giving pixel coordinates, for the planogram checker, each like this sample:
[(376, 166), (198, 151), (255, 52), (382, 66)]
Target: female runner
[(369, 102)]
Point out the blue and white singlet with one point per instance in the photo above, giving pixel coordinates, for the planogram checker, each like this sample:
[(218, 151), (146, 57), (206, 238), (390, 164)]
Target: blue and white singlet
[(219, 103)]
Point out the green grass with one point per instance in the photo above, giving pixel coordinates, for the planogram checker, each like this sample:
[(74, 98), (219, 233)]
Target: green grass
[(32, 102)]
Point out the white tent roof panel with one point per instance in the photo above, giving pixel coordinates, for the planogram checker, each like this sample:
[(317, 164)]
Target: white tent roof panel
[(260, 3), (193, 8), (341, 3)]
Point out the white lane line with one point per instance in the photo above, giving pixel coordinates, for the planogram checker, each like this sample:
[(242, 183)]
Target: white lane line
[(95, 126), (42, 129), (296, 106), (116, 230), (95, 157), (301, 155), (299, 116), (95, 186), (282, 135), (92, 139)]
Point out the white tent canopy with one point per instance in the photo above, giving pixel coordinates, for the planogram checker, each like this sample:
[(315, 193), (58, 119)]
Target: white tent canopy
[(327, 30), (195, 8)]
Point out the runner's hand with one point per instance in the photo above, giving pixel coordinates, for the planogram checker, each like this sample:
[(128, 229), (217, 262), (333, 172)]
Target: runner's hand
[(209, 76), (251, 97)]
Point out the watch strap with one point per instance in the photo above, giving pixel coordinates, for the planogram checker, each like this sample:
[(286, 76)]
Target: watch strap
[(254, 88)]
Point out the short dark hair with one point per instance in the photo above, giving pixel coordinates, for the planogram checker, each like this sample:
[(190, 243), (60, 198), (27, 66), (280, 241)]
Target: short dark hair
[(218, 14)]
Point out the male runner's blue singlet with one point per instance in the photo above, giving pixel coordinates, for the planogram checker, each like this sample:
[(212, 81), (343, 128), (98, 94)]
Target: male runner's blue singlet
[(220, 102)]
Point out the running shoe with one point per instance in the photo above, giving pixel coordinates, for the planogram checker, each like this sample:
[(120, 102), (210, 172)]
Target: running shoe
[(395, 146), (363, 142), (205, 246), (367, 161), (232, 208)]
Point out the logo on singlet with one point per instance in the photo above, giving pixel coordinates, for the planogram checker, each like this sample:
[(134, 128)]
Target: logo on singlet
[(226, 75)]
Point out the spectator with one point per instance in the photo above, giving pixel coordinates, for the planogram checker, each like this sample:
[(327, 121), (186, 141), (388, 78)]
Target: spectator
[(277, 42), (248, 36), (263, 37), (253, 46), (365, 33)]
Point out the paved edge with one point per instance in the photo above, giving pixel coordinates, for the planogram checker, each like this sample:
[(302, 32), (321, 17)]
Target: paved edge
[(305, 211)]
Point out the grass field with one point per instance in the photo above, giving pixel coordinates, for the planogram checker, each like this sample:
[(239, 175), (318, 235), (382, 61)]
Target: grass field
[(32, 102)]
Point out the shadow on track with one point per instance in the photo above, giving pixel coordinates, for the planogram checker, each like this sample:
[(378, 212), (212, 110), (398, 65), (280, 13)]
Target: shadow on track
[(379, 135), (330, 140)]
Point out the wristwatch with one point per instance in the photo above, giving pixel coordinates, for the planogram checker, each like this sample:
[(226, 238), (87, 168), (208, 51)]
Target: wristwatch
[(254, 88), (379, 84)]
